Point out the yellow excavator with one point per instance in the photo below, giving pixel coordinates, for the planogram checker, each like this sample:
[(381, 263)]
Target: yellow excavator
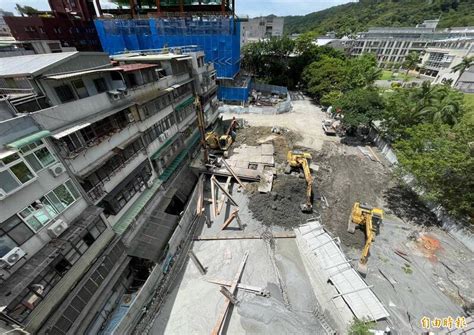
[(300, 160), (222, 143), (370, 219)]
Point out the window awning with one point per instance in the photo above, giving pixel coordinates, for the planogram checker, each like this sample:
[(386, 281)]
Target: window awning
[(81, 73), (29, 139), (71, 130), (184, 104)]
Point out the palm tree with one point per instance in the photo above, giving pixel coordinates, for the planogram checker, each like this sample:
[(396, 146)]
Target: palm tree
[(462, 67), (441, 104), (411, 61)]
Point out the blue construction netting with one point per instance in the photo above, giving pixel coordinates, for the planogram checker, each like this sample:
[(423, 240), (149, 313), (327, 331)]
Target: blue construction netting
[(217, 36)]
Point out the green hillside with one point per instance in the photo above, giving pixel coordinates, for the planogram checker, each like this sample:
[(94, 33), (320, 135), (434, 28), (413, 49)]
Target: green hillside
[(356, 17)]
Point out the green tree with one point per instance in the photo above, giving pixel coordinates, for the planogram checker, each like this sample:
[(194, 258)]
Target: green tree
[(445, 105), (439, 158), (462, 67), (326, 75), (26, 10), (363, 71), (360, 107), (360, 327), (411, 62), (330, 98)]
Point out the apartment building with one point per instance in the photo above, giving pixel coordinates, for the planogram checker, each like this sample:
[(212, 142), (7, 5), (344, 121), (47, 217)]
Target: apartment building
[(393, 44), (92, 152), (258, 28)]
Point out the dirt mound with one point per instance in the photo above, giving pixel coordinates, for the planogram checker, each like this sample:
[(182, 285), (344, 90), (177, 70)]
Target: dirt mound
[(343, 180), (281, 207)]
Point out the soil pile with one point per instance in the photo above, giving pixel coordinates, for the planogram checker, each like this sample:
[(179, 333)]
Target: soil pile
[(281, 207), (343, 180)]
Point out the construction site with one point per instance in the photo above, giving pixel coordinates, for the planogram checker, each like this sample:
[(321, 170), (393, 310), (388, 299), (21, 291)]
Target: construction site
[(281, 244)]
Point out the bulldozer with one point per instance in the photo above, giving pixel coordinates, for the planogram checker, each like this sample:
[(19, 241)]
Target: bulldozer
[(370, 219), (300, 160)]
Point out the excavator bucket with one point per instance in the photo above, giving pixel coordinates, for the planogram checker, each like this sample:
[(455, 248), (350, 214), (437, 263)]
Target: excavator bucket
[(305, 208), (362, 268)]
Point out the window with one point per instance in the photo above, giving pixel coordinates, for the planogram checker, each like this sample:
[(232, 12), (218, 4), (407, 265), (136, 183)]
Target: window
[(64, 93), (80, 88), (14, 173), (37, 155), (100, 85), (42, 211), (13, 233)]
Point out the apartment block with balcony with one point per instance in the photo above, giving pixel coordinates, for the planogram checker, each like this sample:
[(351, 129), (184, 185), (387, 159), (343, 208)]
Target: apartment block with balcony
[(394, 44), (122, 131), (52, 239), (259, 28)]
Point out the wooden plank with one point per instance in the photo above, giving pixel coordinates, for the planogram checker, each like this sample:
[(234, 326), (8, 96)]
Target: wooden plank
[(232, 290), (223, 197), (241, 236), (232, 172), (232, 216), (200, 201), (232, 298), (213, 199), (248, 288), (214, 180)]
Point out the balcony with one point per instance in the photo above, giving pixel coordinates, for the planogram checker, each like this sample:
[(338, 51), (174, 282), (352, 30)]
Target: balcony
[(60, 116), (107, 103), (115, 176)]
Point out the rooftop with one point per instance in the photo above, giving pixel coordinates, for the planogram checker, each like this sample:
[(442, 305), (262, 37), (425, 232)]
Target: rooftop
[(31, 65)]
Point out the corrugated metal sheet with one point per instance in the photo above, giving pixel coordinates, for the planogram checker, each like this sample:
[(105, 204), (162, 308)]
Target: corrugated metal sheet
[(31, 64), (350, 286)]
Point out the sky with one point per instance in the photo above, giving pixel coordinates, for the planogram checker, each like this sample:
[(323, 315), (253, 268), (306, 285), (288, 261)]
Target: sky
[(251, 8)]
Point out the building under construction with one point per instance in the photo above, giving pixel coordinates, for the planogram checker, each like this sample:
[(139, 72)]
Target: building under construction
[(211, 26)]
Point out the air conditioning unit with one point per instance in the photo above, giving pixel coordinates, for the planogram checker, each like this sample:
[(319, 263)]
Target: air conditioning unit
[(57, 228), (12, 257), (162, 137), (57, 169), (3, 194)]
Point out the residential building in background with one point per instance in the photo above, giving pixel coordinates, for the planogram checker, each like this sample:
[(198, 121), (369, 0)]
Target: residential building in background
[(4, 29), (93, 178), (393, 44), (259, 28), (54, 33)]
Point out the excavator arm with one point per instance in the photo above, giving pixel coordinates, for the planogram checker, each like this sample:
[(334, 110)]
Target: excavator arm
[(309, 184)]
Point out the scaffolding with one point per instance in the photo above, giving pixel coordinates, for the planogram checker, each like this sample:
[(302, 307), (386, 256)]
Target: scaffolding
[(217, 35)]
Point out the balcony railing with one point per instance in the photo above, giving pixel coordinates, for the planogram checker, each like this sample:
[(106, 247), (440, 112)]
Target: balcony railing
[(98, 191)]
